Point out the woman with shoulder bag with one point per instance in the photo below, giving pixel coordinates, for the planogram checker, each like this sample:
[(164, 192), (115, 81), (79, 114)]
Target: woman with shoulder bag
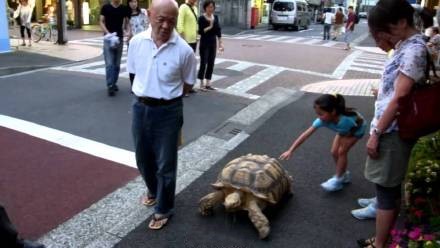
[(391, 24)]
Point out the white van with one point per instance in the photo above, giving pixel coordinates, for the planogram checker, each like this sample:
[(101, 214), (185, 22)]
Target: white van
[(289, 13)]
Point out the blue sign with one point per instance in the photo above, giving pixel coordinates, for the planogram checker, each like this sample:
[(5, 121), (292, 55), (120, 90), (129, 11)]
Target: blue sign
[(4, 30)]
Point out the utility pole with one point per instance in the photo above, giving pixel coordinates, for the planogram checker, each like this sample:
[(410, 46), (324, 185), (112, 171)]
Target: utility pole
[(61, 22)]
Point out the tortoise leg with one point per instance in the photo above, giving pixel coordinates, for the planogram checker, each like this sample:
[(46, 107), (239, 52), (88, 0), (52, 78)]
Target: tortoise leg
[(258, 218), (207, 203)]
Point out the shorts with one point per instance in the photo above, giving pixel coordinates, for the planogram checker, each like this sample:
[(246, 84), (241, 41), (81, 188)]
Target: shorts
[(389, 169), (388, 198)]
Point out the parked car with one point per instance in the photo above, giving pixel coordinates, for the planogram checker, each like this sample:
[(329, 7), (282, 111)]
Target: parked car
[(363, 14), (290, 13)]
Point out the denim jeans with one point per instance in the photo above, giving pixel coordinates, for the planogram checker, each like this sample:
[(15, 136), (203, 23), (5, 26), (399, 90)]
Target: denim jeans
[(156, 134), (347, 37), (112, 58), (327, 28)]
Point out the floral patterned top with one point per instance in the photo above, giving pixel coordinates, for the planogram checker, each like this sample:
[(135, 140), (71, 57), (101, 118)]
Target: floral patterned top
[(139, 22), (410, 59)]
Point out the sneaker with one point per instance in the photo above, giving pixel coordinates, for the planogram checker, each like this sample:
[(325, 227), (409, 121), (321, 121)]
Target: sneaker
[(346, 178), (333, 184), (115, 87), (368, 212), (110, 91), (364, 202)]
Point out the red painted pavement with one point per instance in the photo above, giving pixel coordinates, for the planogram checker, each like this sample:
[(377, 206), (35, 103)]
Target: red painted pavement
[(43, 184)]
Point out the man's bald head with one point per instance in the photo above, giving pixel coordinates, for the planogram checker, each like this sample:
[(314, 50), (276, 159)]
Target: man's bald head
[(163, 18), (159, 4)]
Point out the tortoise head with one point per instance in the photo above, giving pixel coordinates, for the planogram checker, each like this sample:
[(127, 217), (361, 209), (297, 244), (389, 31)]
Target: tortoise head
[(233, 201)]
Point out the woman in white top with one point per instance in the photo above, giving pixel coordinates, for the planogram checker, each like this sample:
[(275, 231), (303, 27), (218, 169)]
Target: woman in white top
[(138, 23), (24, 12)]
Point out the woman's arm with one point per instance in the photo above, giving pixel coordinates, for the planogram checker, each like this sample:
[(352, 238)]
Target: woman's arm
[(403, 86)]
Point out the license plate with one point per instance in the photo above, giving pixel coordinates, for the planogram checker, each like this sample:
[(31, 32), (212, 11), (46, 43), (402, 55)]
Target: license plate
[(282, 18)]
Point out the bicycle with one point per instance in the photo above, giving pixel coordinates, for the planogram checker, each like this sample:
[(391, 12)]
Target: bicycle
[(46, 30)]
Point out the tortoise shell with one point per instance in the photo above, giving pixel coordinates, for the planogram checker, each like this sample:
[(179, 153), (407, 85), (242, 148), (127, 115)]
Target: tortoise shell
[(260, 175)]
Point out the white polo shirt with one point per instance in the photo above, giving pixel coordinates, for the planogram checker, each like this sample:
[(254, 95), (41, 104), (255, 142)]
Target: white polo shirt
[(160, 72)]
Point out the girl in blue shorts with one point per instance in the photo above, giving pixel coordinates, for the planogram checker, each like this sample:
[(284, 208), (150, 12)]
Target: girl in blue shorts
[(349, 126)]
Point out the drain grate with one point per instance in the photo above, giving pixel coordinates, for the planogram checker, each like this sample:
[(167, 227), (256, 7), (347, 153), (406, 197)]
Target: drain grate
[(228, 130), (235, 131)]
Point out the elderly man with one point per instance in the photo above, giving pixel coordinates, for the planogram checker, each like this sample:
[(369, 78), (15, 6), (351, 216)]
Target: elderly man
[(165, 68)]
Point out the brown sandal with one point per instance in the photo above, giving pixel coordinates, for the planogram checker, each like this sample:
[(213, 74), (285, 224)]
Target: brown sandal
[(158, 222), (148, 201)]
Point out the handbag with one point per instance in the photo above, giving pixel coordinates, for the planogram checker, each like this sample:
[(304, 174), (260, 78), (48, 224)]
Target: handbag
[(17, 15), (418, 113)]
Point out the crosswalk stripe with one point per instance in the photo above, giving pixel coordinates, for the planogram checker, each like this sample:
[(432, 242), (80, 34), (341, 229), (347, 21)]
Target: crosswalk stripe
[(367, 65), (370, 61), (293, 40), (251, 82), (244, 37), (330, 43), (240, 66), (280, 38), (263, 37), (311, 42), (355, 68)]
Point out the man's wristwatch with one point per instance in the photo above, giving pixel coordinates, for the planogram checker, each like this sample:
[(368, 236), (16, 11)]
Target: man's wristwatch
[(377, 132)]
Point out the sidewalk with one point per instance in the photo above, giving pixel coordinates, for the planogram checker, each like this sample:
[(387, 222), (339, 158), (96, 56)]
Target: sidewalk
[(45, 54), (311, 218)]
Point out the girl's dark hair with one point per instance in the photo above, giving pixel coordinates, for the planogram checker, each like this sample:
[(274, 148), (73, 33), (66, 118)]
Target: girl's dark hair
[(138, 9), (388, 12), (336, 102), (207, 3)]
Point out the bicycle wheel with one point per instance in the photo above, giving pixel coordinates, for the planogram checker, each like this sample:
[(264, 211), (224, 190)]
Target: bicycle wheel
[(37, 33)]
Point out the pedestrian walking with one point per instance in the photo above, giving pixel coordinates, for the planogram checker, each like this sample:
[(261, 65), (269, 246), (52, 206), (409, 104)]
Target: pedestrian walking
[(349, 126), (139, 22), (391, 22), (349, 27), (9, 236), (114, 22), (165, 67), (328, 20), (338, 24), (23, 16), (210, 39)]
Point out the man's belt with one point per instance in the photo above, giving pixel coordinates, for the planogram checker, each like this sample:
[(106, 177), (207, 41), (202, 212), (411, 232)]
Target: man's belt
[(150, 101)]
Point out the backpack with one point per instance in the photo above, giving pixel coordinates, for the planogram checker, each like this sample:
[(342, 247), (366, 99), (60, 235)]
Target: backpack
[(356, 19)]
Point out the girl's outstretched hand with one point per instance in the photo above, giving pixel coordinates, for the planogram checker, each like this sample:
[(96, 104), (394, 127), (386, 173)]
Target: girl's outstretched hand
[(286, 155)]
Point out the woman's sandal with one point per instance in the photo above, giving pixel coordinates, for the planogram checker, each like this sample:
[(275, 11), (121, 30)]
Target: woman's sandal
[(366, 242), (209, 87), (147, 201), (158, 222)]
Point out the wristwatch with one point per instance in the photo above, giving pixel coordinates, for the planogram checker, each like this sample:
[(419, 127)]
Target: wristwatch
[(377, 132)]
